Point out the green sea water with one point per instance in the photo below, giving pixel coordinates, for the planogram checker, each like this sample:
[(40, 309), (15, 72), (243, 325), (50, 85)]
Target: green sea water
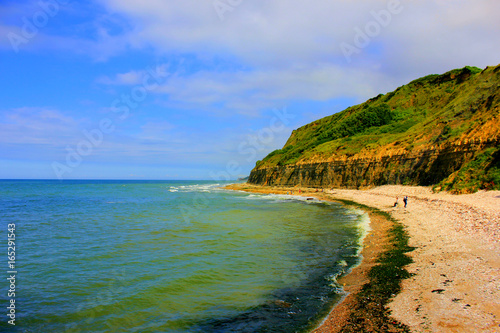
[(178, 256)]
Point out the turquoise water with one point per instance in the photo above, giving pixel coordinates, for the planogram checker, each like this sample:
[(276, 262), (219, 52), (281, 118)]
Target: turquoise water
[(171, 256)]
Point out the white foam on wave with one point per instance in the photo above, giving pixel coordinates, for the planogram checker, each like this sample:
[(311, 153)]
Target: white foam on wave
[(280, 198), (342, 263), (333, 279), (205, 188), (363, 224)]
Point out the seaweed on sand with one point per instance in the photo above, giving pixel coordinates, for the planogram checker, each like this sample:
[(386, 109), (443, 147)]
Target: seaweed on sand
[(370, 313)]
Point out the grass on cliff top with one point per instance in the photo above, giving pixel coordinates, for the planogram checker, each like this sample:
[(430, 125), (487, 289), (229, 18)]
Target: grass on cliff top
[(370, 313), (433, 110)]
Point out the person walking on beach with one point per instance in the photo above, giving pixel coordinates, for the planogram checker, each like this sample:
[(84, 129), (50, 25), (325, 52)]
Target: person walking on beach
[(405, 200), (396, 203)]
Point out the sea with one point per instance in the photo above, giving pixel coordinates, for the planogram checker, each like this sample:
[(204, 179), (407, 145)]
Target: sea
[(169, 256)]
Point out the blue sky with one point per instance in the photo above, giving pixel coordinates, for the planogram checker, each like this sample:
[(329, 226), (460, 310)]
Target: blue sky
[(201, 89)]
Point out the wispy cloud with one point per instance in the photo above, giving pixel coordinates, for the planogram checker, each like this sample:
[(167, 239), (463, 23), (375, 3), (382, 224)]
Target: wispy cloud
[(135, 77), (288, 41), (249, 92), (40, 126), (291, 50), (283, 33), (129, 78)]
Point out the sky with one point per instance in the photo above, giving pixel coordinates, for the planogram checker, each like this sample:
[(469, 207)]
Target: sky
[(202, 89)]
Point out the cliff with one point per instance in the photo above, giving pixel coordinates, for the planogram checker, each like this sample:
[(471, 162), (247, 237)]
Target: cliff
[(441, 130)]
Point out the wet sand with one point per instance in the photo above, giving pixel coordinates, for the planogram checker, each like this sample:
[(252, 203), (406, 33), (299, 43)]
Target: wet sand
[(455, 285)]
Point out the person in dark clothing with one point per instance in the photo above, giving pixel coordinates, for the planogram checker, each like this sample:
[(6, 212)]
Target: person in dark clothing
[(405, 200)]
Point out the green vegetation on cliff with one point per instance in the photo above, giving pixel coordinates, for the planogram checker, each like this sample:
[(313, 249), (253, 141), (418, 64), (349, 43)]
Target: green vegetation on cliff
[(483, 172), (458, 108)]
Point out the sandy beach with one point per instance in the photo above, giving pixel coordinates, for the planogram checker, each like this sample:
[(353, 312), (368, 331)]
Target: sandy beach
[(455, 282)]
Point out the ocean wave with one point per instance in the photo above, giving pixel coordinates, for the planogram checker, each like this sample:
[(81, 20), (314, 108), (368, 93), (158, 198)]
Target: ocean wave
[(282, 198), (333, 279), (205, 188), (363, 224)]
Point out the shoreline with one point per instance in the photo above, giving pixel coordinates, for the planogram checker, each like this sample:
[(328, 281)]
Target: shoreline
[(375, 243), (455, 274)]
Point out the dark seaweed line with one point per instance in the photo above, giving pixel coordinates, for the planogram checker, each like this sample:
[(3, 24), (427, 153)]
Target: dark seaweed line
[(370, 313)]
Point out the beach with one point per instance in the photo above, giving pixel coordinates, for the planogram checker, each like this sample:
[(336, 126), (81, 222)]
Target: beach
[(455, 274)]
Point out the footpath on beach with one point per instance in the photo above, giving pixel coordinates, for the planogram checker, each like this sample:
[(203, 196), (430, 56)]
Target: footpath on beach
[(455, 282)]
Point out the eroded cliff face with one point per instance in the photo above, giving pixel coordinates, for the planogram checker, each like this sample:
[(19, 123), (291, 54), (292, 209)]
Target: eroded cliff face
[(437, 130), (427, 167)]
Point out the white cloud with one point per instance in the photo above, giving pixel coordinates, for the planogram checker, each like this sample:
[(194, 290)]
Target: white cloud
[(288, 49), (434, 37), (40, 126), (291, 49), (272, 32), (128, 78), (278, 32), (81, 28), (249, 92)]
